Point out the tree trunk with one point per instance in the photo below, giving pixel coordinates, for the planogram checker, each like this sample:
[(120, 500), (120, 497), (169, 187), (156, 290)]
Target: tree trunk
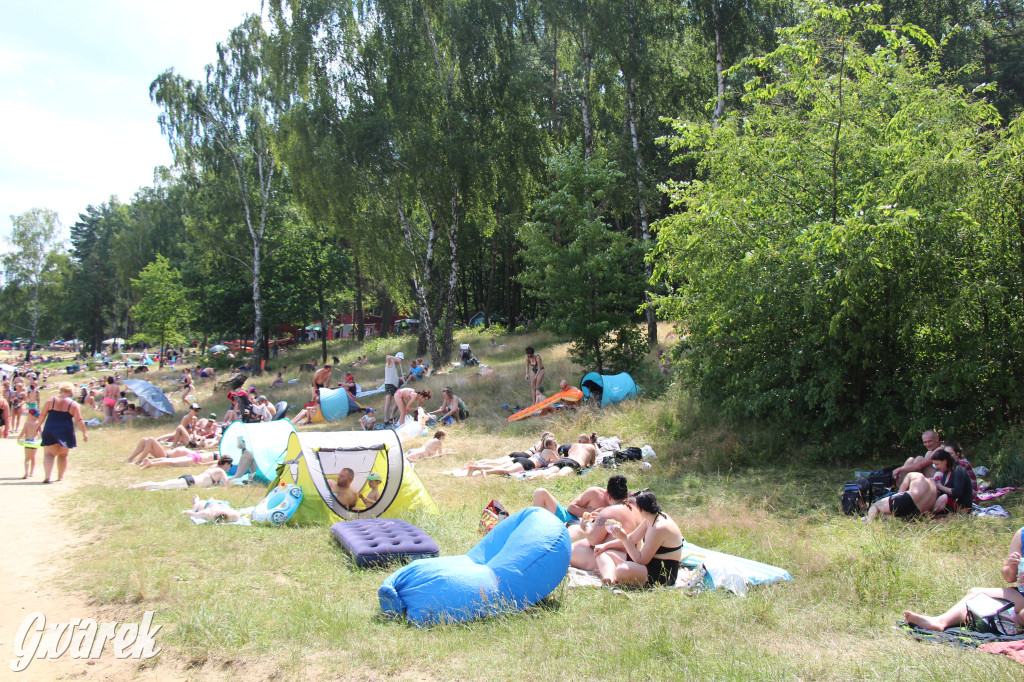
[(35, 320), (490, 284), (387, 314), (645, 228), (418, 285), (719, 67), (360, 324), (453, 279), (257, 307), (554, 78), (588, 134)]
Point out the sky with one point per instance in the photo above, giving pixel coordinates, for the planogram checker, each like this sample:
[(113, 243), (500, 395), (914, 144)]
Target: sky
[(76, 122)]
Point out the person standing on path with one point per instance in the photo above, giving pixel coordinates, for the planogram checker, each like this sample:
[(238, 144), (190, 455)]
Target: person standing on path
[(59, 416)]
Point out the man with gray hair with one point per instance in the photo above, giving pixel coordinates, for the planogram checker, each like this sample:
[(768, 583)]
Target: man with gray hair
[(923, 463)]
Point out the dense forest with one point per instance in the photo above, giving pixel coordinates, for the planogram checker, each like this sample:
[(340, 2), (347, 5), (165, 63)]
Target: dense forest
[(827, 198)]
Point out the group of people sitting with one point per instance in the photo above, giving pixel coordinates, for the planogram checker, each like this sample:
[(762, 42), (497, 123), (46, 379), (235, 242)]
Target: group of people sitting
[(625, 538), (940, 481)]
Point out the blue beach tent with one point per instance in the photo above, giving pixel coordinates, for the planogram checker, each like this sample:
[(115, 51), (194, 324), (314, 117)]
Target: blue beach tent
[(609, 389)]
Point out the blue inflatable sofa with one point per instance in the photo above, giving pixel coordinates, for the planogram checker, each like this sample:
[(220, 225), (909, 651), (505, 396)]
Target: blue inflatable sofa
[(514, 566)]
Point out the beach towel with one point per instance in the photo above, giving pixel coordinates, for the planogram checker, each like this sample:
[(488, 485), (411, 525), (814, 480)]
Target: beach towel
[(244, 521), (986, 495), (995, 511), (1014, 650), (962, 638)]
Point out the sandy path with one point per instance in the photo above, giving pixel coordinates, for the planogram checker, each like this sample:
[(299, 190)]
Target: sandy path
[(35, 543)]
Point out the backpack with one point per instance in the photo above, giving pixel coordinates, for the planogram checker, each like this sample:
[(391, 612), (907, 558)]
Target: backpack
[(857, 495), (628, 455)]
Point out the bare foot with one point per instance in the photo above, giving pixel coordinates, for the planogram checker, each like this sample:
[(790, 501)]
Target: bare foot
[(923, 622)]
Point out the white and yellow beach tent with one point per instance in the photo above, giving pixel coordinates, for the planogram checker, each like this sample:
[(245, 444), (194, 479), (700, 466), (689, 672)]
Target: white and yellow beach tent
[(315, 457)]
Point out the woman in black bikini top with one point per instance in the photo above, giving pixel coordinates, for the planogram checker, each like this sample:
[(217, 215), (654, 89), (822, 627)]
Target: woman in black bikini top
[(657, 563)]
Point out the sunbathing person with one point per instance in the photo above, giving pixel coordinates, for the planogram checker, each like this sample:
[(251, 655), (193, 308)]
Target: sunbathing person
[(190, 458), (622, 511), (648, 556), (432, 448), (922, 463), (215, 475), (581, 455), (917, 495), (213, 510), (507, 459), (520, 462), (151, 448), (958, 613), (306, 415)]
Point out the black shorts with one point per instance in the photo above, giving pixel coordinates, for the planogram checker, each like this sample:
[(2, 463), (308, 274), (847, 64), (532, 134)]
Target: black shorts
[(189, 479), (902, 506), (525, 462), (662, 571), (390, 389), (569, 462)]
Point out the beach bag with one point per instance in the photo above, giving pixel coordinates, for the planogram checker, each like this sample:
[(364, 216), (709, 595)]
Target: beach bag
[(857, 495), (494, 513), (991, 615), (629, 455)]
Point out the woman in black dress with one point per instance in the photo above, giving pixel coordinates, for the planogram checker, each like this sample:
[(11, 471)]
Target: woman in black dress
[(59, 415)]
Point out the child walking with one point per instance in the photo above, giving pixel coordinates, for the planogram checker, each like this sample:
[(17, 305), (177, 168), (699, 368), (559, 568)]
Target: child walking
[(29, 437)]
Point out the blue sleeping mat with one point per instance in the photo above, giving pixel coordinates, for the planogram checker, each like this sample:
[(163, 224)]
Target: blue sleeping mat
[(379, 541), (753, 572)]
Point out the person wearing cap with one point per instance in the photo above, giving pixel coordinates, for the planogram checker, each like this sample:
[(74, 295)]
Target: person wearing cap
[(372, 480), (392, 380), (367, 421), (263, 409)]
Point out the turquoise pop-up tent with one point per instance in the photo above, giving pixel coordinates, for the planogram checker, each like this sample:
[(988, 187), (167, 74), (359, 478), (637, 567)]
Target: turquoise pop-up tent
[(608, 389), (337, 403), (267, 441)]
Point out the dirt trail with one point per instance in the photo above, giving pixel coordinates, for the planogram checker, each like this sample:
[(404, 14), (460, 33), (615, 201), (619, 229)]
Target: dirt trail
[(36, 544)]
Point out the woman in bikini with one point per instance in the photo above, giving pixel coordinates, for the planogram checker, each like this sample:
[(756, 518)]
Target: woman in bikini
[(534, 371), (520, 462), (59, 416), (408, 399), (626, 561), (111, 392), (150, 448)]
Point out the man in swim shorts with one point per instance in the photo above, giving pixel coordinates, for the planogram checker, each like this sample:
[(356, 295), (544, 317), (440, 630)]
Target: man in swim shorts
[(591, 500), (321, 379), (581, 455), (917, 495)]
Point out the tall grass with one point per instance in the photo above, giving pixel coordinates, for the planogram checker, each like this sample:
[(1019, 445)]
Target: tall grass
[(285, 604)]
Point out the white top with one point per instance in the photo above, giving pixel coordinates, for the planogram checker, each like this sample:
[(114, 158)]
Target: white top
[(391, 373)]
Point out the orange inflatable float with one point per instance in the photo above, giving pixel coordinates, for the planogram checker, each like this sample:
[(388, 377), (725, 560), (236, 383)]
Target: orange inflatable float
[(569, 395)]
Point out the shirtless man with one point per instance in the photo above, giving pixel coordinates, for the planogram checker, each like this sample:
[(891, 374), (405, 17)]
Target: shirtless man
[(321, 379), (591, 500), (342, 488), (917, 496), (622, 510), (215, 475), (581, 455), (930, 439)]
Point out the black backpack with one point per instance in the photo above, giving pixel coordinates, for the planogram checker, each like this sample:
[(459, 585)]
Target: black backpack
[(857, 495)]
